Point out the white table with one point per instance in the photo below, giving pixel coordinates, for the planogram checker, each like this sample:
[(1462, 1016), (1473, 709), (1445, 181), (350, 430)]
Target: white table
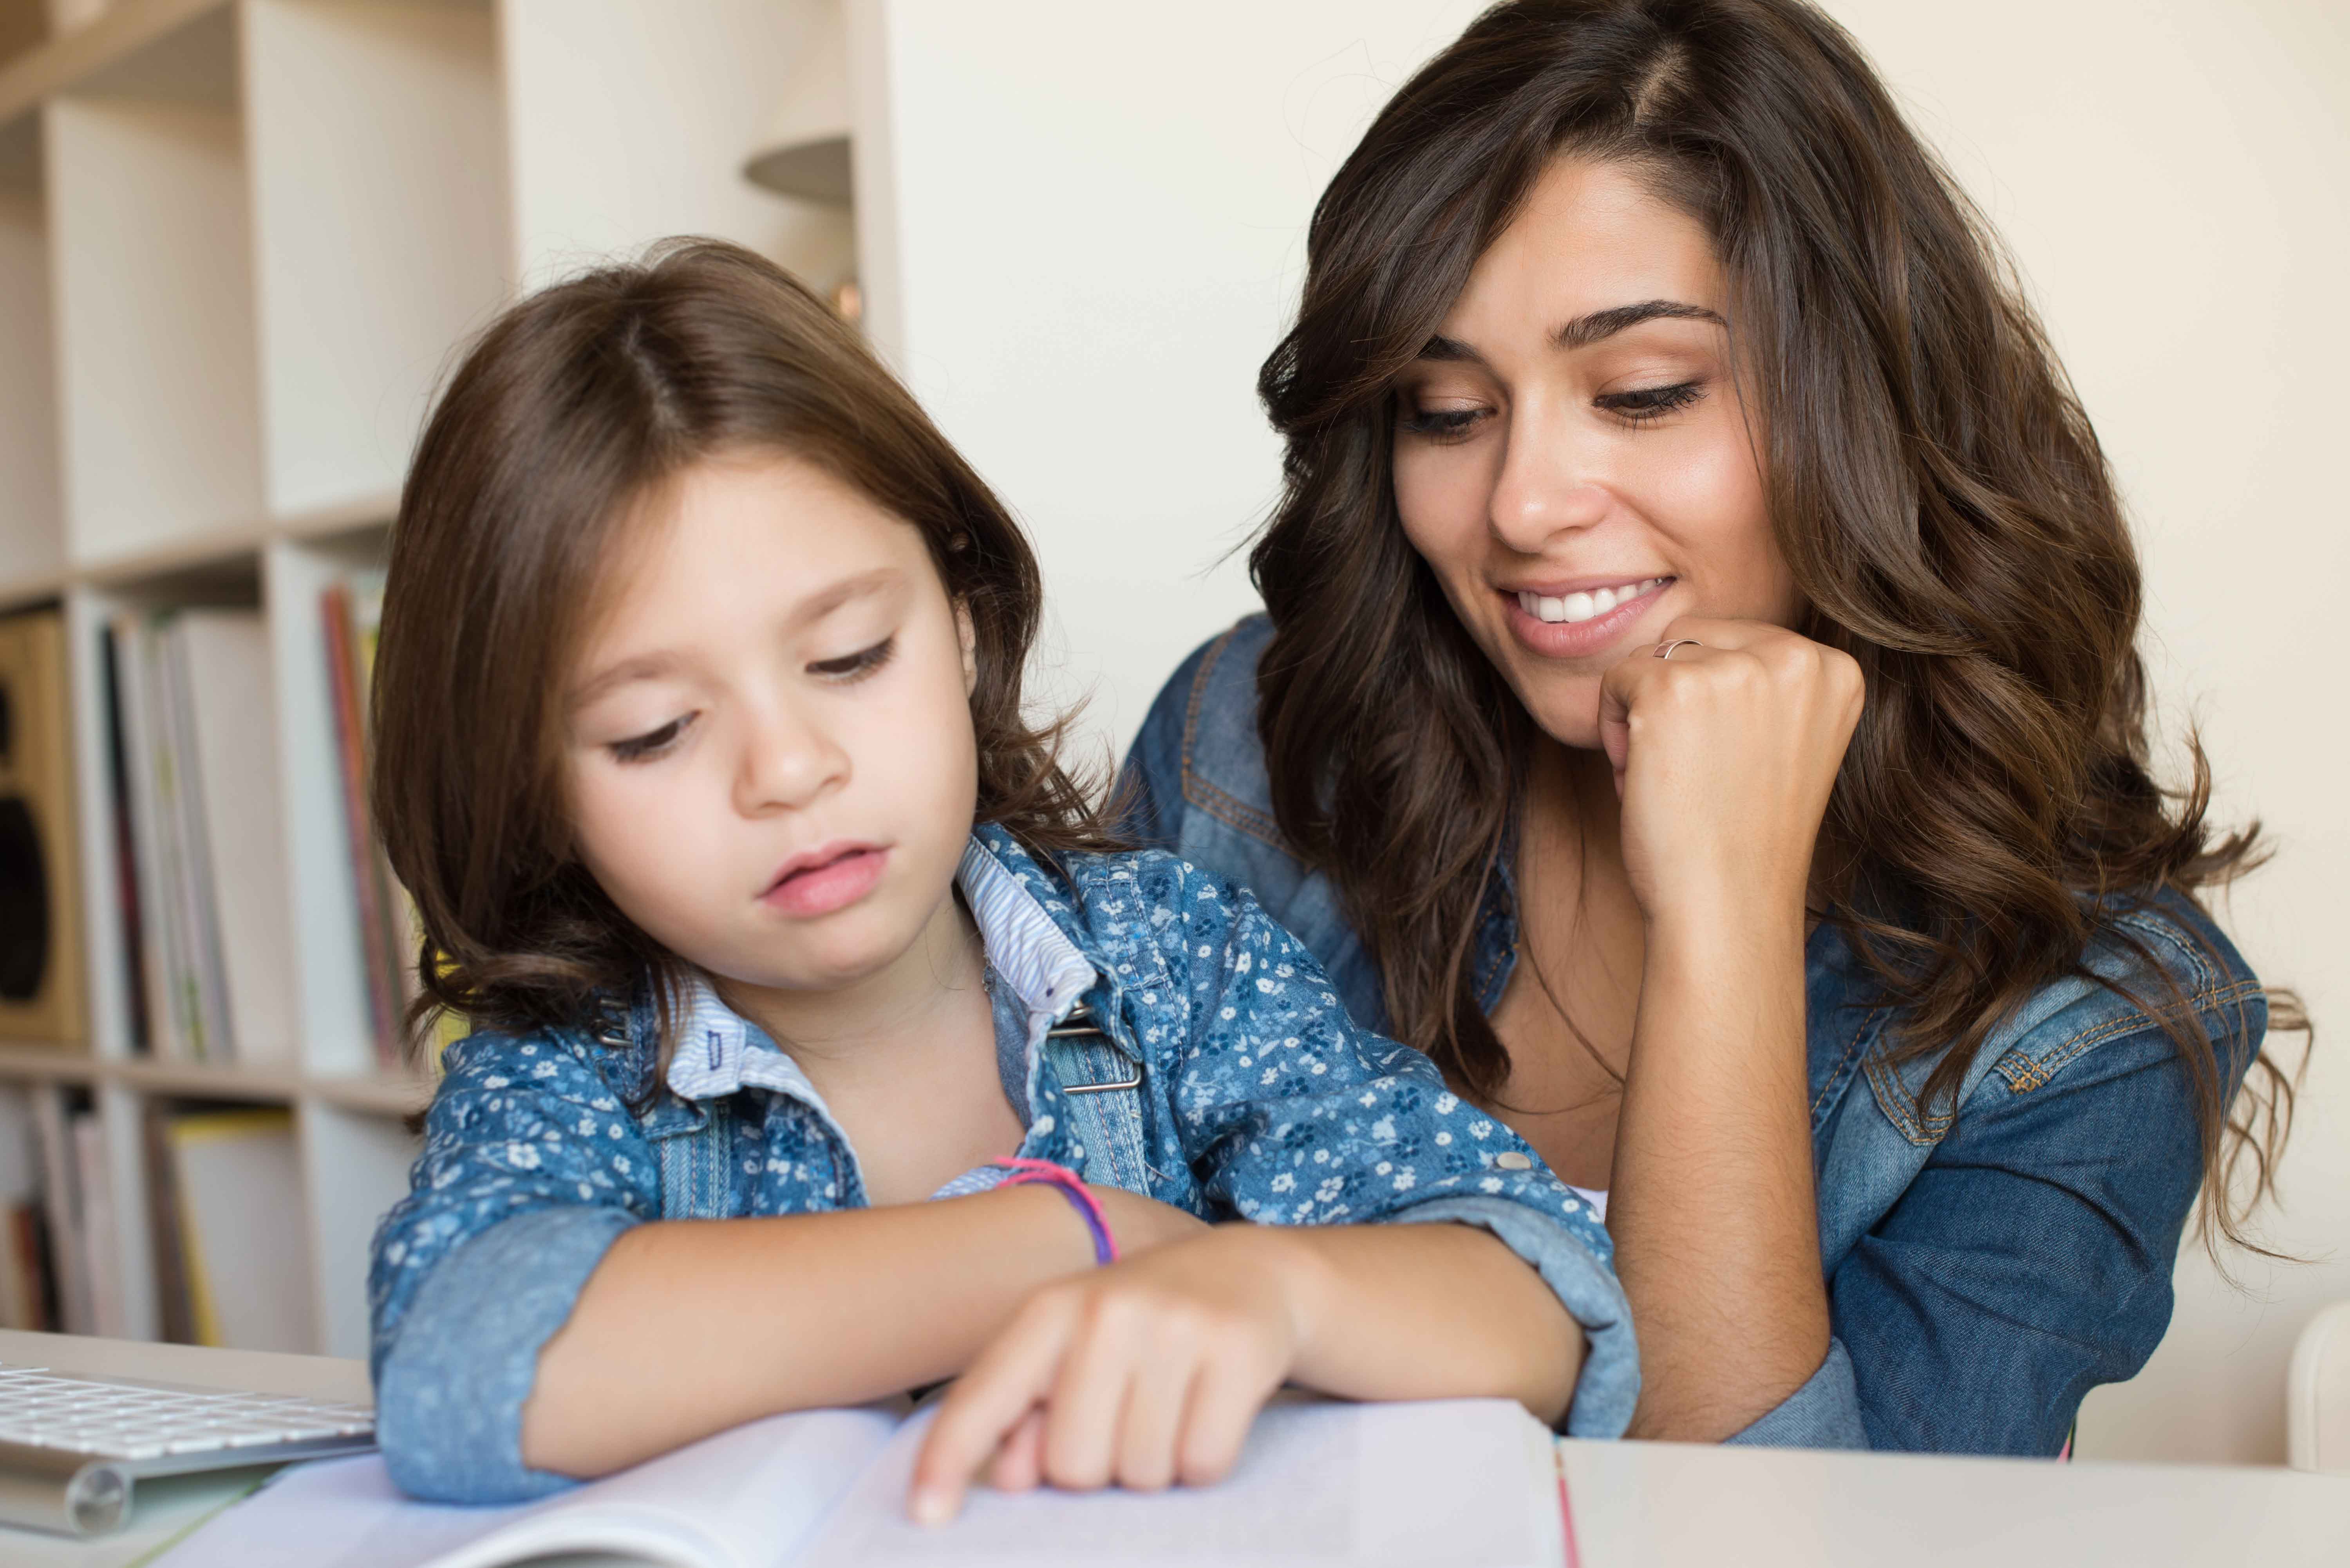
[(162, 1509), (1634, 1505), (1680, 1505)]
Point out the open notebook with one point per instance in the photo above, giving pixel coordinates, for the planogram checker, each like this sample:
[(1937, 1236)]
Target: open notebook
[(1467, 1482)]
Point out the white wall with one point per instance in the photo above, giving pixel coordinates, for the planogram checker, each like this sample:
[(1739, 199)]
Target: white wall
[(1095, 234)]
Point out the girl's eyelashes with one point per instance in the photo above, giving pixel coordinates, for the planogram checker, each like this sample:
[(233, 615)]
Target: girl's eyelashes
[(1644, 403), (652, 743), (856, 666)]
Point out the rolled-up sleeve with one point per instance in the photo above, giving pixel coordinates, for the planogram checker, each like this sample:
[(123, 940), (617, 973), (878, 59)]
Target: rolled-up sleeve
[(1824, 1413), (531, 1170)]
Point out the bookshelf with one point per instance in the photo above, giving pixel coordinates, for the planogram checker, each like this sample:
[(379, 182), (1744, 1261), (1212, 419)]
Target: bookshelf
[(239, 241)]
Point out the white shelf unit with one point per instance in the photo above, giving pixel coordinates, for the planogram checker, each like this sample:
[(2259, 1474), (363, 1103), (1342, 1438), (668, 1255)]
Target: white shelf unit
[(240, 243)]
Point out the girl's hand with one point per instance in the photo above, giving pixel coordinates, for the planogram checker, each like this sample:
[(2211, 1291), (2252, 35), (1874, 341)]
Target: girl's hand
[(1724, 755), (1142, 1373)]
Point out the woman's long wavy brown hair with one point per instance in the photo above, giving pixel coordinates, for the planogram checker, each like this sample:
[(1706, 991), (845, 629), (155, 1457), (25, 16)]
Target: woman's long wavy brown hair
[(1934, 485), (566, 417)]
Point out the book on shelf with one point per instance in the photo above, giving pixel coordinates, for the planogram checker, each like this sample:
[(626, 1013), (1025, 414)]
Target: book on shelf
[(205, 910), (25, 1297), (69, 1257), (1472, 1483), (241, 1270), (350, 612)]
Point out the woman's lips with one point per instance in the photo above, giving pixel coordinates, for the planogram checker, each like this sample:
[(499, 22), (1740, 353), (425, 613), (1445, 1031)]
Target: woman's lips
[(1581, 638), (829, 885)]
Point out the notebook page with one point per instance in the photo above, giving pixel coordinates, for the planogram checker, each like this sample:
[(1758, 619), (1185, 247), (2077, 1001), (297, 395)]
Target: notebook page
[(1464, 1482), (743, 1499)]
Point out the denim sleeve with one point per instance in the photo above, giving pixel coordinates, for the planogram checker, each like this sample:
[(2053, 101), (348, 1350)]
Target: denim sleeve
[(1147, 806), (1292, 1116), (2028, 1262), (531, 1168)]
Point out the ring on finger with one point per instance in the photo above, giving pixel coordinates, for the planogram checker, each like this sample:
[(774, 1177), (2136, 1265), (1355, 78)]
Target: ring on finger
[(1665, 649)]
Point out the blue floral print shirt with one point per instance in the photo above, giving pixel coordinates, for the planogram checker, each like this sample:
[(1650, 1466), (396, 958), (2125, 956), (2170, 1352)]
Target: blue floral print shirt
[(1157, 1031)]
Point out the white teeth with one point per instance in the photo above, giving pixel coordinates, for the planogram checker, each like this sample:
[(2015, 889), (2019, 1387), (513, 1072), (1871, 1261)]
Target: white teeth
[(1581, 606)]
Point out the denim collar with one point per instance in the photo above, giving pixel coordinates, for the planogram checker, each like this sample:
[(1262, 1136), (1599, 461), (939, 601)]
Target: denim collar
[(719, 1052)]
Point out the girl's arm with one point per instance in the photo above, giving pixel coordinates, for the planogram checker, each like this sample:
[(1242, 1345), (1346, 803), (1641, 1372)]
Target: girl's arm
[(1148, 1373), (752, 1316)]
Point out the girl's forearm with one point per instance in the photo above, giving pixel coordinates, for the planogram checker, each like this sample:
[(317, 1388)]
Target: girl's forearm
[(1712, 1206), (691, 1327), (1424, 1311)]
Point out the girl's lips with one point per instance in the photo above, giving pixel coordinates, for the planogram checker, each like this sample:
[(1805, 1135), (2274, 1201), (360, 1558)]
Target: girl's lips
[(833, 884), (1582, 639)]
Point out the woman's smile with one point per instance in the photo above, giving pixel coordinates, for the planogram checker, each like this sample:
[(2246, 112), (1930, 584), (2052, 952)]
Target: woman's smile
[(1575, 620)]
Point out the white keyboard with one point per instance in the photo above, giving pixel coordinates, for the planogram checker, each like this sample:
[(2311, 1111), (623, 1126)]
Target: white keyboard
[(71, 1446)]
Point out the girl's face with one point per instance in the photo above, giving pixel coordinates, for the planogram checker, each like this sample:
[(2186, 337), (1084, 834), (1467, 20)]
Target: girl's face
[(1572, 458), (770, 762)]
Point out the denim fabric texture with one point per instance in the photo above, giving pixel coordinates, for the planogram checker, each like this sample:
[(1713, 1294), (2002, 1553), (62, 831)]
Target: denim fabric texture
[(1219, 1074), (1986, 1266)]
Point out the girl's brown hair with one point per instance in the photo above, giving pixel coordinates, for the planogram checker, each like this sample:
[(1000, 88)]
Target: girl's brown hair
[(570, 411), (1934, 485)]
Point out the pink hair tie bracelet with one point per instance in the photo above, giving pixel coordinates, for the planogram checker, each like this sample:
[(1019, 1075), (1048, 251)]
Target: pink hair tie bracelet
[(1071, 1186)]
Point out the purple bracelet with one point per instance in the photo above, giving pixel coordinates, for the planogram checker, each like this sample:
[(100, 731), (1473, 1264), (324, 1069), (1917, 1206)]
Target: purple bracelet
[(1071, 1186)]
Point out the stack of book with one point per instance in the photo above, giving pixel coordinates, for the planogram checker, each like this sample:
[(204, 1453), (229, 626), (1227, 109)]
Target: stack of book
[(194, 761), (225, 1212)]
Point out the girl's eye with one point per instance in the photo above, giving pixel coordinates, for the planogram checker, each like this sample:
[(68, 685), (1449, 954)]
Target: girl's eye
[(858, 664), (1643, 403), (652, 743), (1440, 424)]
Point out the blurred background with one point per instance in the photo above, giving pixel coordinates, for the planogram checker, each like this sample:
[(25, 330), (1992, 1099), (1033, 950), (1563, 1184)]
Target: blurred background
[(239, 240)]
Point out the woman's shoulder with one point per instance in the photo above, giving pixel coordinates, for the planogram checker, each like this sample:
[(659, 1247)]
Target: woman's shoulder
[(2154, 958), (1199, 750)]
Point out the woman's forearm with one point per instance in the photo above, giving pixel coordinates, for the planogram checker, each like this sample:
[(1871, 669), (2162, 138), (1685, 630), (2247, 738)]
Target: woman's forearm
[(689, 1327), (1712, 1206), (1424, 1312)]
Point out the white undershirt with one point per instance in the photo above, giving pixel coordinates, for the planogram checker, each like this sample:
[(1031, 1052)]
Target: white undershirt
[(1599, 1200)]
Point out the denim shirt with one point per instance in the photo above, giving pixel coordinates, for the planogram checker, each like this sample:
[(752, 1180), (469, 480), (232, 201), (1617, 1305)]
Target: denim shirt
[(1987, 1265), (1157, 1031)]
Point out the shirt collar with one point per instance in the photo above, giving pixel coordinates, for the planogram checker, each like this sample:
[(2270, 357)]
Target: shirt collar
[(720, 1051)]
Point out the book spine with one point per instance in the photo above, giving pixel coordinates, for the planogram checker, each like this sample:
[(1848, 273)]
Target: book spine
[(101, 1230), (69, 1257), (133, 665), (377, 946), (207, 981), (126, 847)]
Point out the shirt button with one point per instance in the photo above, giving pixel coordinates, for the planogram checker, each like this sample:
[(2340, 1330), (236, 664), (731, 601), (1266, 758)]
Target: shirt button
[(1514, 1160)]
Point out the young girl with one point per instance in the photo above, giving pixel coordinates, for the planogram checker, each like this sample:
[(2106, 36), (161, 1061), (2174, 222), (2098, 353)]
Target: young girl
[(701, 658)]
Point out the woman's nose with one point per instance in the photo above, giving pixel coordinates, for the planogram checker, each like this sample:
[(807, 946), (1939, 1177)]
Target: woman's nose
[(786, 763), (1547, 486)]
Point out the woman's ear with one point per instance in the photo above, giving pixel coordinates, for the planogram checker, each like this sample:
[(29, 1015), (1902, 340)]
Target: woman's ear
[(968, 634)]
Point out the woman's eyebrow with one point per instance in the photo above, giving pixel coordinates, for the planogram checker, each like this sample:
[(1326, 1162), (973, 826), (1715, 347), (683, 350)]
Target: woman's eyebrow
[(1584, 330)]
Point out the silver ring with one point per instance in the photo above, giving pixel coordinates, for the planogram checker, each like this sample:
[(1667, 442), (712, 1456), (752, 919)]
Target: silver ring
[(1665, 649)]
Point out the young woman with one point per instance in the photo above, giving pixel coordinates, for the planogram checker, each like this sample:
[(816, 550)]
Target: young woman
[(702, 749), (1698, 706)]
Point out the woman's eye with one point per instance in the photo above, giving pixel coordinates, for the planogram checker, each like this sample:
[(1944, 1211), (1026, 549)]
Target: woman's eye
[(856, 666), (1651, 402), (652, 743), (1440, 424)]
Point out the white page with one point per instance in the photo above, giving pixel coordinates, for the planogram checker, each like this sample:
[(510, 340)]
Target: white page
[(743, 1499), (1468, 1483)]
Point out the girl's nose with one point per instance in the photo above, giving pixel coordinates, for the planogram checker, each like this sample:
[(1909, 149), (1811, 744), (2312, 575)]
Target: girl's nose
[(1546, 486), (786, 764)]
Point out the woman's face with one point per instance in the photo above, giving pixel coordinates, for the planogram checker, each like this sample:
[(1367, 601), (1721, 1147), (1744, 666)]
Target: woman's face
[(1572, 458)]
